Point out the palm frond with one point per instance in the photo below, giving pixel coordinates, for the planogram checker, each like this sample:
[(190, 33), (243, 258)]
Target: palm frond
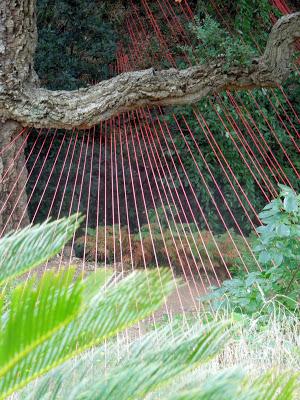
[(272, 386), (223, 385), (235, 385), (30, 247), (106, 313), (158, 359), (155, 366), (35, 312)]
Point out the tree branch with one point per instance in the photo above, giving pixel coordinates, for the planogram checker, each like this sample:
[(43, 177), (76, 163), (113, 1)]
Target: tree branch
[(83, 108)]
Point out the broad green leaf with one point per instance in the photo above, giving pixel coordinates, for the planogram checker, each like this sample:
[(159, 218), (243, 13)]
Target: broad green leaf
[(290, 203), (275, 204), (259, 247), (264, 257), (265, 229), (268, 213), (251, 278), (285, 190), (277, 258), (283, 230), (35, 311)]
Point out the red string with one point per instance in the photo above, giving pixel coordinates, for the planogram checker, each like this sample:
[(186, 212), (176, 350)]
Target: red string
[(164, 167), (170, 224), (73, 191), (250, 132), (207, 130), (235, 127), (88, 197), (218, 188), (98, 195), (13, 161), (274, 134), (81, 189), (48, 180), (6, 147), (277, 169)]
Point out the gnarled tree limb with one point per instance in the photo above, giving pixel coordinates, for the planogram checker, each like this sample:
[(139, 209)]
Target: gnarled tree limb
[(34, 106)]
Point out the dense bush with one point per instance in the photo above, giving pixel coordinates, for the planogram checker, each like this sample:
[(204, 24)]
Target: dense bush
[(76, 43), (212, 44), (251, 19), (279, 253)]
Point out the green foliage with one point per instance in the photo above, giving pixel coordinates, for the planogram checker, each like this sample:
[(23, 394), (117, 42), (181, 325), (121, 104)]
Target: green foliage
[(279, 252), (228, 136), (76, 42), (163, 364), (211, 44), (250, 19), (30, 247), (280, 234), (47, 320)]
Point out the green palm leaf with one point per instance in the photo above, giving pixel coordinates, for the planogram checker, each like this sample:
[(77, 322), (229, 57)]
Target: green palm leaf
[(30, 247), (35, 313), (158, 359), (158, 366), (234, 385), (106, 313)]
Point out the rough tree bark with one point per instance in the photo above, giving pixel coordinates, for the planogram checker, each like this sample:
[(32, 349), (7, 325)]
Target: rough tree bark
[(18, 36), (22, 100), (27, 104), (13, 175)]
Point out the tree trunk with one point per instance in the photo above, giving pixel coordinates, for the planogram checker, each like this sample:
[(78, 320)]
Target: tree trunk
[(18, 36), (13, 175)]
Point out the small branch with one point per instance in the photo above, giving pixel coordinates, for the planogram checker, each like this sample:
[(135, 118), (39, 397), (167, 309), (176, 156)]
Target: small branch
[(294, 275), (85, 107)]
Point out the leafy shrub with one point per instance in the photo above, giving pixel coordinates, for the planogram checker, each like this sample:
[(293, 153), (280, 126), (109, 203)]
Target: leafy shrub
[(250, 19), (279, 252), (225, 136), (211, 44), (76, 42)]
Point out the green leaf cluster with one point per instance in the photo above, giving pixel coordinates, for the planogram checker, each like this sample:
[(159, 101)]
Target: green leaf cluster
[(280, 234), (48, 321), (213, 44), (76, 42), (279, 253), (250, 19)]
